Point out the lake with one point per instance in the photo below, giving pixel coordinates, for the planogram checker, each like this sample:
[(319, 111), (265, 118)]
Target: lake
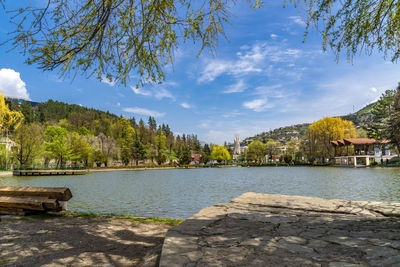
[(180, 193)]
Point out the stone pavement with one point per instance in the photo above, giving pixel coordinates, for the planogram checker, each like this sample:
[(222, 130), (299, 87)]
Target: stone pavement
[(278, 230)]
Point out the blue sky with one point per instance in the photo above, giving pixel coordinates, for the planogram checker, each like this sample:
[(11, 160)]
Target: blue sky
[(262, 78)]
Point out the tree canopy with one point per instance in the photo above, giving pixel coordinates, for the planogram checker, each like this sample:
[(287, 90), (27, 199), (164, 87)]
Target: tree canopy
[(381, 113), (321, 132), (256, 151), (220, 153), (9, 119), (353, 25), (112, 38)]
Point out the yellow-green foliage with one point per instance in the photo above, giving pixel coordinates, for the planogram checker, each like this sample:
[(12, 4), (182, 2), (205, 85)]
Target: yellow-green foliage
[(321, 132), (220, 153), (9, 119), (256, 151)]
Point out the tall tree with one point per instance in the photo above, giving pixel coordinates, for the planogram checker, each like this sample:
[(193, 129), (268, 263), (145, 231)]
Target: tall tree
[(328, 129), (394, 121), (28, 139), (80, 149), (272, 147), (256, 151), (381, 112), (292, 147), (125, 139), (184, 154), (138, 149), (220, 153), (56, 144), (160, 142), (206, 154), (9, 119)]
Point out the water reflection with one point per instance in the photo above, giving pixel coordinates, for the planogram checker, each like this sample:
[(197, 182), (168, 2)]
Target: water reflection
[(181, 193)]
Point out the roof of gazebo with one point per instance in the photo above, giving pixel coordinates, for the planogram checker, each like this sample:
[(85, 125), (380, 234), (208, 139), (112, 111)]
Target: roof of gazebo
[(359, 141)]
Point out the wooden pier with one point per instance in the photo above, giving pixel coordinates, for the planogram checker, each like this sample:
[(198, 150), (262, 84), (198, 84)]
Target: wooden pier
[(47, 172)]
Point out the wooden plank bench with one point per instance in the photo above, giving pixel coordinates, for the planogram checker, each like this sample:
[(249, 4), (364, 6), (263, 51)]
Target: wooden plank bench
[(59, 193), (28, 199)]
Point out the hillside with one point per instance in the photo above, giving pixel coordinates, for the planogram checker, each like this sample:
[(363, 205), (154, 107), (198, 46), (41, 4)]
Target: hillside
[(360, 118), (60, 134)]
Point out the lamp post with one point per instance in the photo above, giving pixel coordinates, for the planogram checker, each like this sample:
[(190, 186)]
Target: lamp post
[(6, 145)]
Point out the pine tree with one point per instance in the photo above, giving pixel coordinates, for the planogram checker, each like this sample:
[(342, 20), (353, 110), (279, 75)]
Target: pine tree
[(381, 112), (394, 120)]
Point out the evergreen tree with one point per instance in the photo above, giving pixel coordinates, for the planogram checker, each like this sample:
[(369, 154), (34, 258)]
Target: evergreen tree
[(205, 154), (152, 123), (184, 155), (381, 112), (138, 149), (394, 120)]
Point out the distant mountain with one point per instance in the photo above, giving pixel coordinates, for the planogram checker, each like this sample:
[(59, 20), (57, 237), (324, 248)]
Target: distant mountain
[(284, 134)]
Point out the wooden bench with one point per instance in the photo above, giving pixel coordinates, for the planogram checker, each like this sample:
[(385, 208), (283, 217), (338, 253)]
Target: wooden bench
[(28, 199)]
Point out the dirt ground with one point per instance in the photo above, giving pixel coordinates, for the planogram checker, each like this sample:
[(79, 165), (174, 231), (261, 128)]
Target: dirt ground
[(80, 241)]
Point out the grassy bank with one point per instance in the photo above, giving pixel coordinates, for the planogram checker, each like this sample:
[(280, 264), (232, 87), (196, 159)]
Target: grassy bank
[(90, 215)]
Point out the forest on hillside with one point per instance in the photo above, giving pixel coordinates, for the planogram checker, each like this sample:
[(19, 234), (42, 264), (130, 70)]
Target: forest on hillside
[(57, 133), (60, 134)]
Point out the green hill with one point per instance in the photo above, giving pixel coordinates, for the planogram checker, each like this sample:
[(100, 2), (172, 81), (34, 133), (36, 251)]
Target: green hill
[(283, 134)]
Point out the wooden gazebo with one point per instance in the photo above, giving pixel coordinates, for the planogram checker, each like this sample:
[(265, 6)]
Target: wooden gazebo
[(363, 150)]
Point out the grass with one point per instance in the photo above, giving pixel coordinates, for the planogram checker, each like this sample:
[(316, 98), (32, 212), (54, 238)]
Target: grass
[(42, 216), (4, 262), (90, 215)]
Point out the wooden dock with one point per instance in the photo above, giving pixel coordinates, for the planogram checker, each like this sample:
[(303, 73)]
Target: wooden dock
[(48, 172), (19, 200)]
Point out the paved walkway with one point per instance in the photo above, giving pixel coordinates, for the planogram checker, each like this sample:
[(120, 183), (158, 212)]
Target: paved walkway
[(278, 230)]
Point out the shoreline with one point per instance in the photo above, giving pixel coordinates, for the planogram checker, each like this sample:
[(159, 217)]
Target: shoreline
[(112, 169)]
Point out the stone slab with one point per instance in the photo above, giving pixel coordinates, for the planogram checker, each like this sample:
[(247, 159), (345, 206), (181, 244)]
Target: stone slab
[(278, 230)]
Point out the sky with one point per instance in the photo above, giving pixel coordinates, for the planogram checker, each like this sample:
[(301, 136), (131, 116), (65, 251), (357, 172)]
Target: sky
[(263, 77)]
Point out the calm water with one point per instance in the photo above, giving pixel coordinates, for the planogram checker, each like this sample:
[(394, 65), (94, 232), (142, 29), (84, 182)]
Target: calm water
[(182, 193)]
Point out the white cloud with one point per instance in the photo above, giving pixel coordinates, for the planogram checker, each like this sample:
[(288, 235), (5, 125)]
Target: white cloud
[(231, 114), (297, 20), (270, 91), (373, 89), (238, 87), (204, 124), (143, 111), (161, 93), (155, 91), (141, 91), (11, 84), (257, 105), (107, 81), (213, 70), (185, 105), (274, 36), (258, 59)]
